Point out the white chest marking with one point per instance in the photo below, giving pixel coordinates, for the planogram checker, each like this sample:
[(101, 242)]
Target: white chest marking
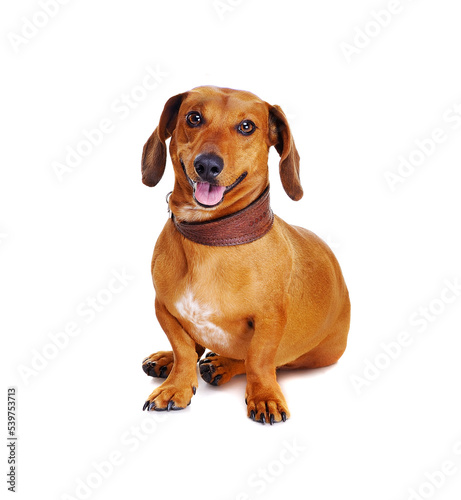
[(199, 314)]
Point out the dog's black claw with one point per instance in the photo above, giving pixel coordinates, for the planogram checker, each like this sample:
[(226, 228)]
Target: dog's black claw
[(252, 415), (146, 404), (203, 361), (152, 406), (272, 419), (216, 380), (162, 371), (246, 401), (145, 359), (194, 390), (211, 354), (284, 416), (262, 418), (170, 405)]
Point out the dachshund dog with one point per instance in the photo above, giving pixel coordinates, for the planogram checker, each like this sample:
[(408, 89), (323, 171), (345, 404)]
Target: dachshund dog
[(229, 275)]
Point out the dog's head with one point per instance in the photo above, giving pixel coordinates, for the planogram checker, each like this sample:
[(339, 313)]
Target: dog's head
[(220, 140)]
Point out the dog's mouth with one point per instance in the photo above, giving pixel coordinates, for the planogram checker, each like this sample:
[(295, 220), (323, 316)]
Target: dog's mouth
[(210, 195)]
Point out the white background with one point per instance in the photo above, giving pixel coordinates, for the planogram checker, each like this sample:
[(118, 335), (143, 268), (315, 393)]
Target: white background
[(61, 240)]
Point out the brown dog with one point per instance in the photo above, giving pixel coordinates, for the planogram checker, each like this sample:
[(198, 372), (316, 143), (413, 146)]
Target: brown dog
[(228, 274)]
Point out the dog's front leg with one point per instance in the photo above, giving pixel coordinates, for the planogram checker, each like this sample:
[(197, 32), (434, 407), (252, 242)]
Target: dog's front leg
[(264, 397), (177, 390)]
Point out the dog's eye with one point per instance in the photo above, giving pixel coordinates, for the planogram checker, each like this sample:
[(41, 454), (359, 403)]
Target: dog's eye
[(246, 127), (194, 118)]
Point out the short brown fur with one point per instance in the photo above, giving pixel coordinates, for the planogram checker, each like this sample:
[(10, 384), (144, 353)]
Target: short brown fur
[(281, 300)]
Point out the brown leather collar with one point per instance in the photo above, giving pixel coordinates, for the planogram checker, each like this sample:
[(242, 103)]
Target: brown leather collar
[(244, 226)]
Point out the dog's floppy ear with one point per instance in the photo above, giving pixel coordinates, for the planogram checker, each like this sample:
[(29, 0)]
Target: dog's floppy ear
[(280, 137), (154, 151)]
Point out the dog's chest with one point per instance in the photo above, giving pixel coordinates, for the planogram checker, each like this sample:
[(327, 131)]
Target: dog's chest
[(202, 317), (209, 292)]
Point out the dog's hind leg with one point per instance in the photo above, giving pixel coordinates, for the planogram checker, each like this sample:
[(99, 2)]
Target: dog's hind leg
[(217, 370), (160, 363), (327, 352)]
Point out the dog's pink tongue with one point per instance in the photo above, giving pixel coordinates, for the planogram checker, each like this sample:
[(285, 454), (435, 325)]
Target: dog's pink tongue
[(206, 194)]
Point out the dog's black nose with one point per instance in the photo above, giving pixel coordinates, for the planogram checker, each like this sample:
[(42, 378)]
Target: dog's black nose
[(208, 166)]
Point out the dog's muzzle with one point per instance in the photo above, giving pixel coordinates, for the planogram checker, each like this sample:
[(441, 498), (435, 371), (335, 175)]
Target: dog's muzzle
[(208, 166), (207, 192)]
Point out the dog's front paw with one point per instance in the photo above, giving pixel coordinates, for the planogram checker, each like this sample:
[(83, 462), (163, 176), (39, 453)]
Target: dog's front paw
[(158, 364), (265, 403), (170, 397)]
